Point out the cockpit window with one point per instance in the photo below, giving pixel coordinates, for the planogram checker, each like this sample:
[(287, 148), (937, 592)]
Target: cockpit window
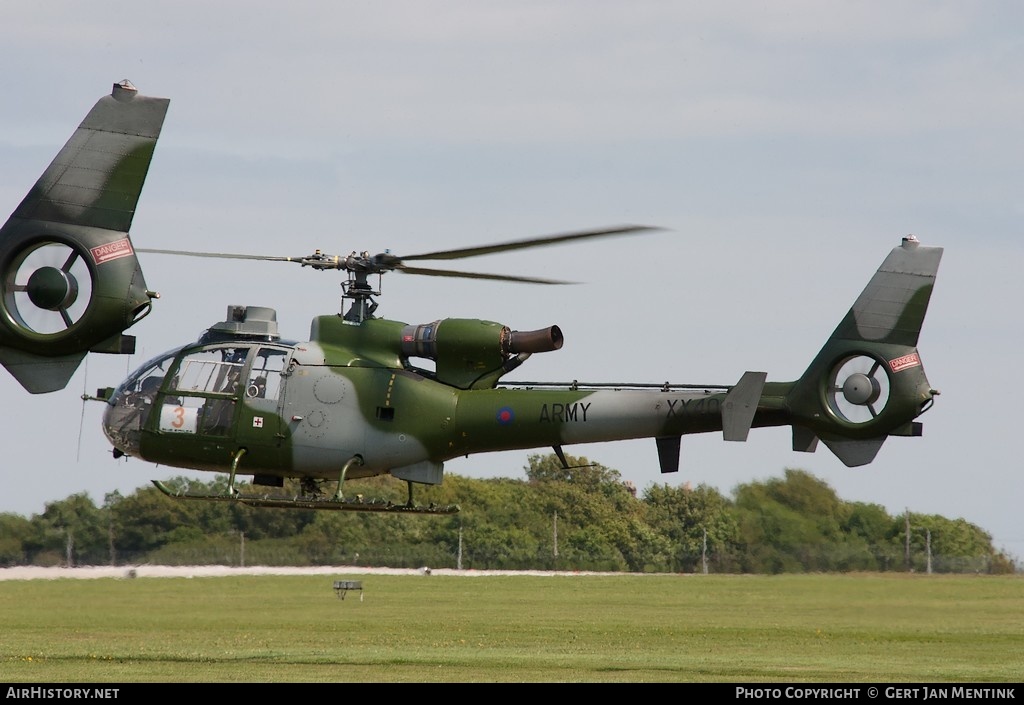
[(265, 374), (147, 379), (199, 395), (211, 371), (132, 402)]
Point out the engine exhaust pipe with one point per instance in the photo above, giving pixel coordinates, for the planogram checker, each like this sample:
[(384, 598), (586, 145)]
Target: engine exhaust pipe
[(534, 341)]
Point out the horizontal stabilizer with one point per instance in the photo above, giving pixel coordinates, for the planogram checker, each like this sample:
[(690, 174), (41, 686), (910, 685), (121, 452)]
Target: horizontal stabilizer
[(855, 453), (740, 405)]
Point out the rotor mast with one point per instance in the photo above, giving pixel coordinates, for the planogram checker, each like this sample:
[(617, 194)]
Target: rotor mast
[(357, 288)]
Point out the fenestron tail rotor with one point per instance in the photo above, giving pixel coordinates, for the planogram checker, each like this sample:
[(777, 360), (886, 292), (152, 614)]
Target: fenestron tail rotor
[(48, 287), (858, 389)]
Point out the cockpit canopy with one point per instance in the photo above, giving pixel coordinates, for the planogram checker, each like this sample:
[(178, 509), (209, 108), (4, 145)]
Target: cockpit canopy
[(198, 386), (196, 389)]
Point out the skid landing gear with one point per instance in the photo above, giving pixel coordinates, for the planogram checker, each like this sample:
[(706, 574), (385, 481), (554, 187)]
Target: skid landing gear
[(356, 504), (312, 497)]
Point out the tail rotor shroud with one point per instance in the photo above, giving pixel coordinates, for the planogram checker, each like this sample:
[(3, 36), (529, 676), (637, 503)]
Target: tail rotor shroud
[(48, 288), (858, 389)]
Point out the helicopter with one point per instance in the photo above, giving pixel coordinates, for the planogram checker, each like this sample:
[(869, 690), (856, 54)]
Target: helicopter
[(366, 396)]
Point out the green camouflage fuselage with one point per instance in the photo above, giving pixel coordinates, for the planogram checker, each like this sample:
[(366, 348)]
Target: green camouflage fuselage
[(336, 401), (378, 396)]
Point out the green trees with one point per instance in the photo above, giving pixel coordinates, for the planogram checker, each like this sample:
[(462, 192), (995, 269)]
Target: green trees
[(15, 532), (941, 545), (793, 524), (69, 532), (700, 526), (576, 516), (595, 517)]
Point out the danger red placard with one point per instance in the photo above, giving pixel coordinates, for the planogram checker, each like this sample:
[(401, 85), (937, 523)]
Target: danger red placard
[(902, 363), (112, 250)]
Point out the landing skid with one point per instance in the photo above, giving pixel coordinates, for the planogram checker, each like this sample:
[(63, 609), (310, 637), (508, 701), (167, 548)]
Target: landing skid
[(351, 505)]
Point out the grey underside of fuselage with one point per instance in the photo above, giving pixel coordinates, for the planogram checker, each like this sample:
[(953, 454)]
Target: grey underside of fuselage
[(626, 414), (327, 428), (522, 418)]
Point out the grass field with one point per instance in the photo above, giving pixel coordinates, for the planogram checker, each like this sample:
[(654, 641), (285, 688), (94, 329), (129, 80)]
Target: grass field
[(623, 628)]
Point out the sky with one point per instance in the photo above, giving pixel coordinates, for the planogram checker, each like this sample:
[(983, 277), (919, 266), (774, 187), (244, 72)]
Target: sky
[(784, 148)]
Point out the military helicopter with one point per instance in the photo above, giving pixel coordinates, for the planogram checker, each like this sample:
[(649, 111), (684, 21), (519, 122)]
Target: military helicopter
[(368, 396), (352, 402)]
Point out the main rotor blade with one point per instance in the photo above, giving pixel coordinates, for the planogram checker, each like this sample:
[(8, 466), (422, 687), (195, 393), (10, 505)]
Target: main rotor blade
[(385, 262), (531, 242), (317, 260), (476, 275), (219, 255)]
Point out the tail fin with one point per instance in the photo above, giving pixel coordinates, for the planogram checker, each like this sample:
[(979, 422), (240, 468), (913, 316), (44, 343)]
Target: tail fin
[(69, 279), (868, 383)]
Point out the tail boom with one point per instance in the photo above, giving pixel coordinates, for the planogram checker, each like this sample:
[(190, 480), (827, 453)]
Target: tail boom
[(866, 383)]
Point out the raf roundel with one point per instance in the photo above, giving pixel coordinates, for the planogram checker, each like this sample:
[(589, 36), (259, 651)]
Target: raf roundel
[(506, 416)]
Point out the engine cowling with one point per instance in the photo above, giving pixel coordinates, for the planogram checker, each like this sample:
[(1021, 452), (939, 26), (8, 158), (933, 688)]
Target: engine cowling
[(470, 352)]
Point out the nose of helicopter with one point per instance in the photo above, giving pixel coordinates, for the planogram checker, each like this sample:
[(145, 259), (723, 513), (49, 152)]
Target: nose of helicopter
[(122, 422)]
